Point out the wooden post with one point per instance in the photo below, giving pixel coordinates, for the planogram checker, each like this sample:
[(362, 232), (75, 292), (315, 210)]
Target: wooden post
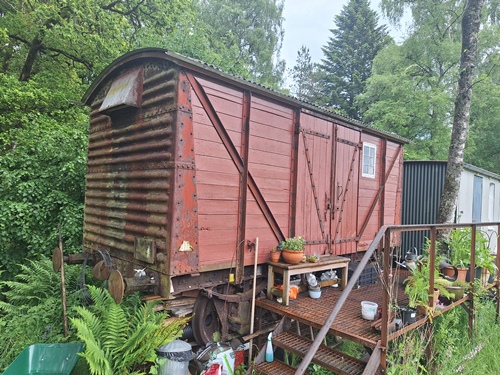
[(252, 314), (63, 285)]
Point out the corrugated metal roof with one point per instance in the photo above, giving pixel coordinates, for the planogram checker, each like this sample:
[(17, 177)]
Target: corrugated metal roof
[(212, 70)]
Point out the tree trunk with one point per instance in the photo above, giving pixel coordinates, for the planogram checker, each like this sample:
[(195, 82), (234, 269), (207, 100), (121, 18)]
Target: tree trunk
[(30, 59), (471, 21)]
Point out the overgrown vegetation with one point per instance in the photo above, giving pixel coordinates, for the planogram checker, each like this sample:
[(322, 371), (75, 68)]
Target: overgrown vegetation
[(120, 339), (31, 309), (452, 350)]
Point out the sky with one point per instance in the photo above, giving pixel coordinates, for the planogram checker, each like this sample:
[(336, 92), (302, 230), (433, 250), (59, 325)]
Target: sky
[(310, 25)]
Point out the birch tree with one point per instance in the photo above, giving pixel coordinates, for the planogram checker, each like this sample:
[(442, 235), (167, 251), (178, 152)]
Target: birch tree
[(471, 21)]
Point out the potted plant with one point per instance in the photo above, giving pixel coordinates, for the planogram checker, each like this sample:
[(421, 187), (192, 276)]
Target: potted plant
[(459, 251), (484, 260), (417, 287), (459, 288), (459, 255), (275, 254), (293, 249), (312, 258)]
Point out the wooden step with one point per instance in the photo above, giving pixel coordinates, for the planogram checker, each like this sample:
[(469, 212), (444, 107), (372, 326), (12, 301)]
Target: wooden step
[(326, 357), (273, 368)]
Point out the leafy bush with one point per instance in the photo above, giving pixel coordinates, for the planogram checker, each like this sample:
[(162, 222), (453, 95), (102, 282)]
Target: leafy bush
[(42, 172), (120, 339)]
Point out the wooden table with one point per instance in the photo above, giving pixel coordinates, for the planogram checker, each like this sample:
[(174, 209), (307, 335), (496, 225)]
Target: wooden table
[(328, 262)]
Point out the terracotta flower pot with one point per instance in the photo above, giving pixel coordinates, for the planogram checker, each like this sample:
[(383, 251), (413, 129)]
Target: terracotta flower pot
[(275, 256), (449, 272), (292, 256), (462, 274)]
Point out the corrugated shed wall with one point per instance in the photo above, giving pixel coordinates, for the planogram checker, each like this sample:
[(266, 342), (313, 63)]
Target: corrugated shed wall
[(422, 187)]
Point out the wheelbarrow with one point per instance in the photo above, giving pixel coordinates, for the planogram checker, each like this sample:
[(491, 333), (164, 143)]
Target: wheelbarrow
[(46, 359)]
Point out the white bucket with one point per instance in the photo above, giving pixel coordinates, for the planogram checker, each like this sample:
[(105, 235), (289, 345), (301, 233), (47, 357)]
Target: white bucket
[(368, 310)]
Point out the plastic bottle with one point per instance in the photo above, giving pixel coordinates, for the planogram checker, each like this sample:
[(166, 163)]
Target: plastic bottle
[(311, 280), (269, 348)]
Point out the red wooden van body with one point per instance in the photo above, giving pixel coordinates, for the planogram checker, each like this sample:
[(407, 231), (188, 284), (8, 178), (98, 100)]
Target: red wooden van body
[(188, 165)]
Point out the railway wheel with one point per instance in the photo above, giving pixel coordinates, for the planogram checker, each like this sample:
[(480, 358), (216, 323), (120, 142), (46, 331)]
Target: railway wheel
[(205, 321)]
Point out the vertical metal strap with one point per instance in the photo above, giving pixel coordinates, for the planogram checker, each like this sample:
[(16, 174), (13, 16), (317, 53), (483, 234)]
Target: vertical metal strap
[(242, 203)]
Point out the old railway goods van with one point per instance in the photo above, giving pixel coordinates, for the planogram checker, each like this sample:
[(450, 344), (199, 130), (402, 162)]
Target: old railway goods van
[(188, 165)]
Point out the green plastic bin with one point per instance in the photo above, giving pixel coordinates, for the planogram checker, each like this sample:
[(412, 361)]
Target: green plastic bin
[(46, 359)]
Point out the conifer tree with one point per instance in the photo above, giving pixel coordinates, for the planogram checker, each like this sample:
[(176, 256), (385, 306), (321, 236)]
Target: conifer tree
[(305, 76), (349, 53)]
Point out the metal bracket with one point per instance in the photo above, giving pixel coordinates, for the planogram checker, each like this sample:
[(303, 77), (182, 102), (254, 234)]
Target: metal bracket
[(251, 245)]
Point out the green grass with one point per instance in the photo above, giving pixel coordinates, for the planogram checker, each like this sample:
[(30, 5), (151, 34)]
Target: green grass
[(453, 352)]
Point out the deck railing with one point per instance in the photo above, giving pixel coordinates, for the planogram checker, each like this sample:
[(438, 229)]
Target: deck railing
[(382, 240)]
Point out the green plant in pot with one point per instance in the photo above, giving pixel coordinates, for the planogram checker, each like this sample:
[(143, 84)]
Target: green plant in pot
[(459, 252), (293, 249), (417, 287), (483, 258)]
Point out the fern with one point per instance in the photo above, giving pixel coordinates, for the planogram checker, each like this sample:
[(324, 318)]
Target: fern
[(120, 338), (31, 308)]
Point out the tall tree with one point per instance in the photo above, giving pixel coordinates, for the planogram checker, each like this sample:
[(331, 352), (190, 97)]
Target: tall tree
[(79, 36), (471, 22), (349, 53), (453, 23), (254, 29), (304, 76), (411, 89), (413, 86)]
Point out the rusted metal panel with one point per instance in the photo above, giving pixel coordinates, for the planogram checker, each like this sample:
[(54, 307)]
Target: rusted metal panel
[(131, 166), (125, 91)]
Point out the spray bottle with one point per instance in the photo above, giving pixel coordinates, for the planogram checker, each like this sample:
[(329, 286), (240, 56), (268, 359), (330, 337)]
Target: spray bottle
[(269, 348)]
